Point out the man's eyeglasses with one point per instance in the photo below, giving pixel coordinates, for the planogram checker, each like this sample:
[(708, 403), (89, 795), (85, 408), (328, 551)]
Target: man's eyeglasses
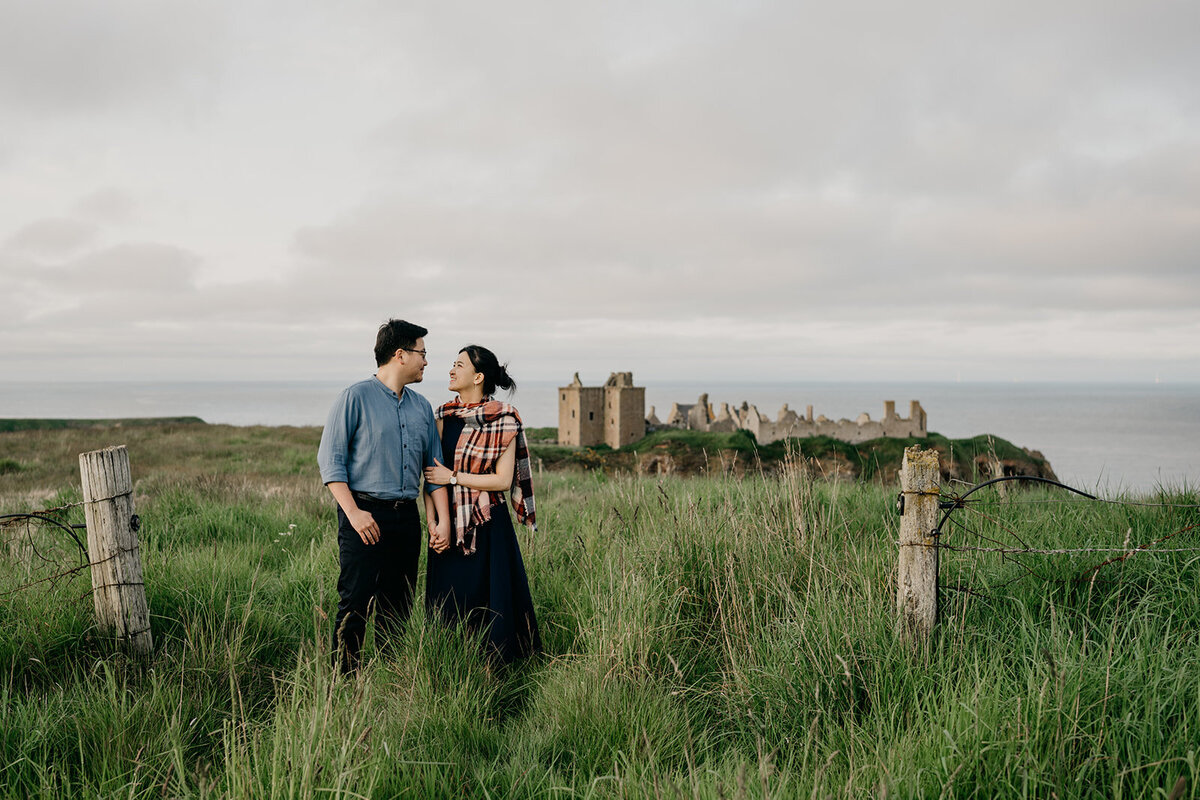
[(421, 353)]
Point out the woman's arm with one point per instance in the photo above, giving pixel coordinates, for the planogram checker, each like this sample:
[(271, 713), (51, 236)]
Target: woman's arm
[(498, 481), (437, 517)]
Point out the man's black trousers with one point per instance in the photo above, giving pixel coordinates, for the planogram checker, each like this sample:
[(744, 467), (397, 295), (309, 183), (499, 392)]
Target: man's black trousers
[(375, 577)]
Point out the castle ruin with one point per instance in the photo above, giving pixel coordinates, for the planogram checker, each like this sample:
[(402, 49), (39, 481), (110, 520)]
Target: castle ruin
[(699, 416), (612, 414)]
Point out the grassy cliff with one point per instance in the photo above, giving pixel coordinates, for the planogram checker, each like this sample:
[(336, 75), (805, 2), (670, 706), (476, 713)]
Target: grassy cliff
[(695, 452)]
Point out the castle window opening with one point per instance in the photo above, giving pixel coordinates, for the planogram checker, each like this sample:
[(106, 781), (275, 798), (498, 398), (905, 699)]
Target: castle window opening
[(591, 415)]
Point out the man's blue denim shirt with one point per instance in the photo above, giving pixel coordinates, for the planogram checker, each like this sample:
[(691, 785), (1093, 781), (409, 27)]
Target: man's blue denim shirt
[(378, 442)]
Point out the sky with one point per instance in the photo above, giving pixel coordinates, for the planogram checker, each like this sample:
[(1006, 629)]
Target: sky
[(767, 191)]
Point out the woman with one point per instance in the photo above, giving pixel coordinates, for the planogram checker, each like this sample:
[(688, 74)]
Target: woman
[(476, 576)]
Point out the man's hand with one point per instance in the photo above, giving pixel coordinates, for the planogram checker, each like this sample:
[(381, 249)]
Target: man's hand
[(365, 525), (362, 521), (439, 537)]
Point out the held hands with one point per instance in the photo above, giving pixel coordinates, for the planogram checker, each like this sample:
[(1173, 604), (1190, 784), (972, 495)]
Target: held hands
[(439, 536), (439, 474)]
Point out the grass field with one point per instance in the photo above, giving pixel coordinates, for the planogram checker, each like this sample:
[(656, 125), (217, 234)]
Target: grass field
[(713, 637)]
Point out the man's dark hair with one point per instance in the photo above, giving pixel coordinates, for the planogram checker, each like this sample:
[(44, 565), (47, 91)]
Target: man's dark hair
[(395, 334)]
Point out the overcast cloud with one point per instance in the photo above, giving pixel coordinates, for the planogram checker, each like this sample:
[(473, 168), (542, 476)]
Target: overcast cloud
[(714, 190)]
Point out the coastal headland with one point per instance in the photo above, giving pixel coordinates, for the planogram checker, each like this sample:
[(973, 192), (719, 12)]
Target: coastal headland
[(670, 451), (681, 452)]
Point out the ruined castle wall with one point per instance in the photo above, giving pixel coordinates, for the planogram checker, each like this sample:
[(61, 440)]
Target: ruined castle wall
[(624, 415), (753, 421), (913, 425), (790, 425), (851, 430), (902, 428), (614, 414), (678, 416), (723, 425), (700, 415)]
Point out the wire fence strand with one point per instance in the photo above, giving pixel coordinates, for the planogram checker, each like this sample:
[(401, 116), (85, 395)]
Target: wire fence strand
[(37, 554), (986, 509)]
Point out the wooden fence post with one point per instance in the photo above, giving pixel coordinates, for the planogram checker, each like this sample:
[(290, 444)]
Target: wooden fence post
[(118, 589), (917, 583)]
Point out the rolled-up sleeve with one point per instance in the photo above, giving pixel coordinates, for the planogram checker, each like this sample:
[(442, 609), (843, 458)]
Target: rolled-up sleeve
[(434, 448), (333, 452)]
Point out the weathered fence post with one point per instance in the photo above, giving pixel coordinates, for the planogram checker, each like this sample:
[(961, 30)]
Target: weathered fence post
[(998, 472), (117, 586), (917, 583)]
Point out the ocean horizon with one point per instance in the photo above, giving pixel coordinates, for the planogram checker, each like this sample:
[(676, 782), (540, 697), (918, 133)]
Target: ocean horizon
[(1109, 437)]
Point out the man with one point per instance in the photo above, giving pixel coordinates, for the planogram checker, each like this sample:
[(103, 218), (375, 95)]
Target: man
[(378, 438)]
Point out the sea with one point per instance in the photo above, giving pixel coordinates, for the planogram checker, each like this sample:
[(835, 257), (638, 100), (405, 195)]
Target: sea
[(1112, 438)]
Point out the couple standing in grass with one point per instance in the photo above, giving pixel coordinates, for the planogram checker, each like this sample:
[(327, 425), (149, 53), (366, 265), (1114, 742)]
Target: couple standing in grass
[(380, 440)]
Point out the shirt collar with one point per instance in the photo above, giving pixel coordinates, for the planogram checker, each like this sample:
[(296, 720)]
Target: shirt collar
[(383, 388)]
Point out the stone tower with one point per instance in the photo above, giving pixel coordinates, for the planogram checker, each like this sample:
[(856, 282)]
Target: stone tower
[(580, 414), (624, 410), (612, 414)]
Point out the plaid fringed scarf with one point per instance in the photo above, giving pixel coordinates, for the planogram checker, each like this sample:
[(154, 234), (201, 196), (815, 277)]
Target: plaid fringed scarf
[(488, 428)]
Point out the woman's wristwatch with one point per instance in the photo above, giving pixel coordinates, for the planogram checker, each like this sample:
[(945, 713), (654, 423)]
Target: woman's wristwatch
[(454, 478)]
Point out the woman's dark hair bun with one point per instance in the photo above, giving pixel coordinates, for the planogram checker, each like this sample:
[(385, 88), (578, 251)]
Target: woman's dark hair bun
[(495, 374)]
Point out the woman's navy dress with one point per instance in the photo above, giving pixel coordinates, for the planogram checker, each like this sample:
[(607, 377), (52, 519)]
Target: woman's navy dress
[(486, 590)]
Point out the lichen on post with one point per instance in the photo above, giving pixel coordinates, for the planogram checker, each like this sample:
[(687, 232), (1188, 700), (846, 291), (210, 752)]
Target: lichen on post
[(917, 580), (118, 589)]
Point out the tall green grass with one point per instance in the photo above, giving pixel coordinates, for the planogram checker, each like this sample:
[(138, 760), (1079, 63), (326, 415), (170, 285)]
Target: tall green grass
[(707, 637)]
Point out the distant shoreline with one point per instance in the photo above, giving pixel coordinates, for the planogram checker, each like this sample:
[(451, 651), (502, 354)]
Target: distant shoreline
[(1105, 436), (33, 424)]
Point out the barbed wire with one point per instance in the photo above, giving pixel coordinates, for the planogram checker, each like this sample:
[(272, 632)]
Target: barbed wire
[(25, 547), (955, 501), (1100, 566), (66, 507), (1019, 551), (8, 520), (1071, 501), (1010, 557), (53, 579), (952, 502)]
